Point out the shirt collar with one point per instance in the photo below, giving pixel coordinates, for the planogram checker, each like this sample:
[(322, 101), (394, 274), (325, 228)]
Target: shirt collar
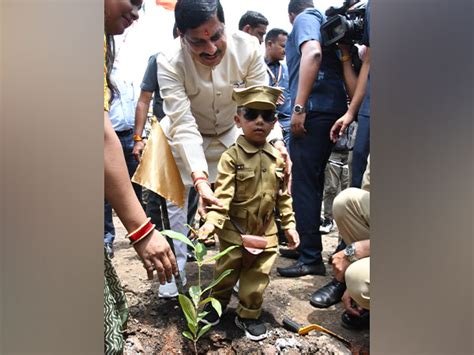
[(251, 149)]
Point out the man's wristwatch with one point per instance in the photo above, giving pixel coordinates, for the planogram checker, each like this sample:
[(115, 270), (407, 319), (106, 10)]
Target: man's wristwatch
[(349, 253), (298, 109)]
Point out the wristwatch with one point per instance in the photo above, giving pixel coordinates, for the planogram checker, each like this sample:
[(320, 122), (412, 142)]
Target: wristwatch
[(298, 109), (349, 253)]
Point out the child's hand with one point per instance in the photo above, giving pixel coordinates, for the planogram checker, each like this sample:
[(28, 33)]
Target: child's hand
[(205, 231), (293, 238)]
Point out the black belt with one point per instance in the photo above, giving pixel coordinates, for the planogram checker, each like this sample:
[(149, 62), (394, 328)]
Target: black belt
[(124, 133)]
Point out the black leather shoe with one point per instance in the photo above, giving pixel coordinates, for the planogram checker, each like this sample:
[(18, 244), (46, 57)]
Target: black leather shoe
[(300, 269), (356, 322), (289, 253), (328, 295)]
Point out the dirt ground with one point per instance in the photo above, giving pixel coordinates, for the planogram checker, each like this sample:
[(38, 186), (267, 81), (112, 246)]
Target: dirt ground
[(155, 325)]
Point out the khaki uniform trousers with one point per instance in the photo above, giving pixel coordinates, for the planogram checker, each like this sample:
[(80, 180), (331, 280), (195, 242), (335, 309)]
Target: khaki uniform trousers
[(351, 212), (253, 281)]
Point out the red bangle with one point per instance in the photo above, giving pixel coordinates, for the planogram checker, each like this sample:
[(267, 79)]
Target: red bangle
[(143, 235), (139, 233)]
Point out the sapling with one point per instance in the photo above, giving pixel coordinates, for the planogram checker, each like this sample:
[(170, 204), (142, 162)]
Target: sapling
[(193, 306)]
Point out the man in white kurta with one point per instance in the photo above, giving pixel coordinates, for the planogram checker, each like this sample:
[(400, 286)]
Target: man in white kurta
[(198, 101)]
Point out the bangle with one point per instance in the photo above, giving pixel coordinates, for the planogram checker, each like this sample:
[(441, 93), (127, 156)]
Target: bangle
[(137, 138), (345, 58), (141, 231), (145, 233)]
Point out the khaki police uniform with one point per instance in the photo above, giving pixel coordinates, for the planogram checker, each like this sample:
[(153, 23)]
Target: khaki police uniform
[(351, 212), (249, 182)]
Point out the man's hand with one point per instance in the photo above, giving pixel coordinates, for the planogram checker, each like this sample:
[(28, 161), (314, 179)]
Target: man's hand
[(339, 127), (297, 124), (350, 305), (206, 198), (280, 146), (156, 254), (138, 150), (339, 265), (281, 99), (205, 231), (293, 238)]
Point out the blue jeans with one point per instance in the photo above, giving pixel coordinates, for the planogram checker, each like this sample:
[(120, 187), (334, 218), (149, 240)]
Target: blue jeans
[(127, 146), (310, 155), (361, 150)]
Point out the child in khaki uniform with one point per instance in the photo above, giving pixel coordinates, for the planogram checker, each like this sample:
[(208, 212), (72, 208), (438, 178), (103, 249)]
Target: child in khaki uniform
[(250, 184)]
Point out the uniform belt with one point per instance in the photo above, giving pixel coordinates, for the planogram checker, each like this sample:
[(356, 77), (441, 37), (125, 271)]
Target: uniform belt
[(124, 133)]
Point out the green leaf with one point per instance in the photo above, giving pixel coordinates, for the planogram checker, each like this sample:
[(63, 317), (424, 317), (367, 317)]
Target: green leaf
[(188, 309), (202, 315), (219, 279), (221, 254), (193, 328), (178, 236), (200, 251), (203, 330), (195, 293), (204, 301), (188, 335), (217, 306)]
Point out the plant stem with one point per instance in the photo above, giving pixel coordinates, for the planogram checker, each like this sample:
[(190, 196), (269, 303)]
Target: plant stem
[(195, 347)]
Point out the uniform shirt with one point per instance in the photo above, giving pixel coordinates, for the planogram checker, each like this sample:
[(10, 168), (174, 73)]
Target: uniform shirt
[(279, 78), (198, 101), (122, 108), (150, 84), (365, 107), (248, 185), (327, 94)]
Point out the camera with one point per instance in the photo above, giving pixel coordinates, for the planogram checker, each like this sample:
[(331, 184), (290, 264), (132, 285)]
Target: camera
[(344, 24)]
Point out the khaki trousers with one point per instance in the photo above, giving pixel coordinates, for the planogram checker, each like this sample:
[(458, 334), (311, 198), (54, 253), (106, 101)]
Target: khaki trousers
[(351, 212), (253, 281)]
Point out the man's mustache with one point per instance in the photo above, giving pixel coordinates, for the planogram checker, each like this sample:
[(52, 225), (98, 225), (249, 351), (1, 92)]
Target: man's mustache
[(204, 55)]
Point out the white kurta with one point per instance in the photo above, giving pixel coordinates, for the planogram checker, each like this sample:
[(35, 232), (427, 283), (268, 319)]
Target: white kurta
[(198, 101)]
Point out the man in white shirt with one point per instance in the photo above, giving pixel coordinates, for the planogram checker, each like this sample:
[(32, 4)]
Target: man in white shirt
[(196, 78)]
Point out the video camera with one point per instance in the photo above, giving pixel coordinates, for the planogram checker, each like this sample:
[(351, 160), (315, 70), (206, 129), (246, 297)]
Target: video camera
[(344, 24)]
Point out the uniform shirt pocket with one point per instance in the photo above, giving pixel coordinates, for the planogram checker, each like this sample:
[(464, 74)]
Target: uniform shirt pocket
[(244, 179)]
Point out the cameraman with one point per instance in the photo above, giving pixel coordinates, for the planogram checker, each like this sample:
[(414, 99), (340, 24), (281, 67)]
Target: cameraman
[(360, 103)]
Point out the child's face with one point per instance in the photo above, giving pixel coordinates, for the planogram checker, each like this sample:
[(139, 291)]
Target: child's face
[(256, 124)]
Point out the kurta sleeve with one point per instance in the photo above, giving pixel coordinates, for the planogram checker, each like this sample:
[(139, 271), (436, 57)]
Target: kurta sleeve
[(184, 133)]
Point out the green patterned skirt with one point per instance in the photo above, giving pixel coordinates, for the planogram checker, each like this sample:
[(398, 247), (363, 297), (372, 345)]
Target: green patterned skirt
[(115, 310)]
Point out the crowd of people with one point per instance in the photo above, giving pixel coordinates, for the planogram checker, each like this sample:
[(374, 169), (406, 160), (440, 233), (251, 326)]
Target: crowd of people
[(261, 139)]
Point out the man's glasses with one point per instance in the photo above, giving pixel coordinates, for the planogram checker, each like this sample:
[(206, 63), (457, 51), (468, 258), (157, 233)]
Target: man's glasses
[(251, 114)]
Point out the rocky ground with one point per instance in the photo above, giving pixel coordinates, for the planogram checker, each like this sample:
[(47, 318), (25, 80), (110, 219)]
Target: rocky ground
[(155, 325)]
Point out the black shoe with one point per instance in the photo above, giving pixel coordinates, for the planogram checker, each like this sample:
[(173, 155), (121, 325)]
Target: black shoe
[(289, 253), (212, 317), (109, 249), (327, 226), (254, 328), (356, 322), (328, 295), (300, 269)]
